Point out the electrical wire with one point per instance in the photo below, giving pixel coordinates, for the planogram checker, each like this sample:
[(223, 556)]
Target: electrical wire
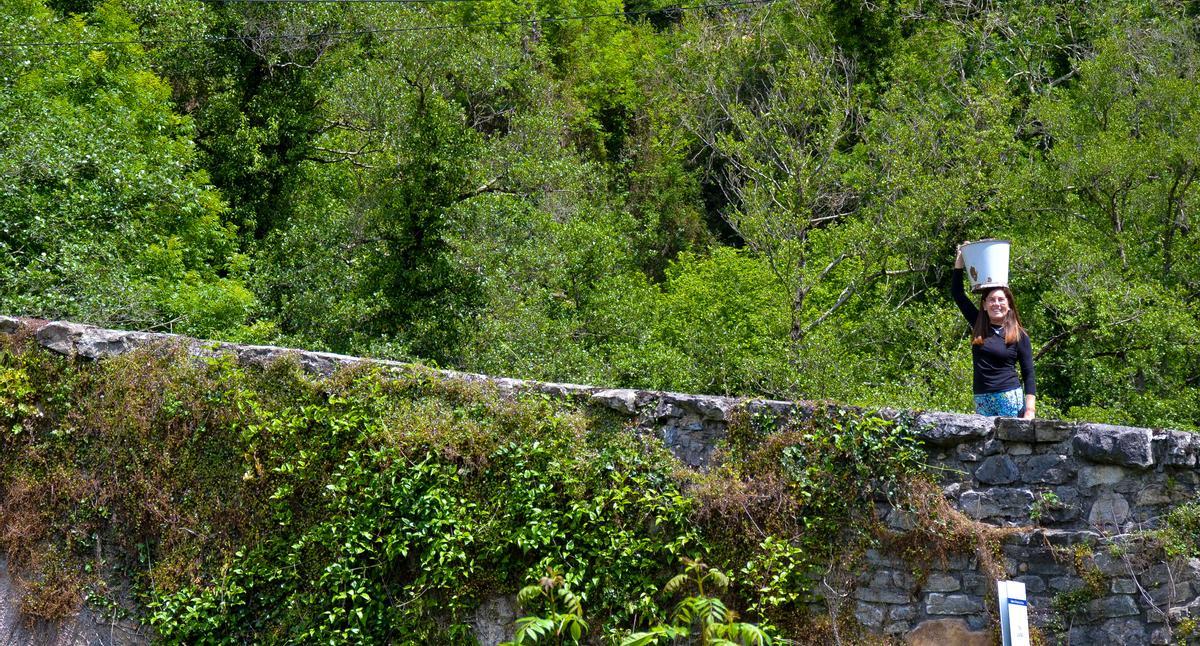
[(391, 30)]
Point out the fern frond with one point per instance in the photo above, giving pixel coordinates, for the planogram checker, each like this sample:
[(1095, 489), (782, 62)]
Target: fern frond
[(675, 584)]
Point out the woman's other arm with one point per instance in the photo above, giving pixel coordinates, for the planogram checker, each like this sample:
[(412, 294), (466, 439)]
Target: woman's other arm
[(1025, 358)]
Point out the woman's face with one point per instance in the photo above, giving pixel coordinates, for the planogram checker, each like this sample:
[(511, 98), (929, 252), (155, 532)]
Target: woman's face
[(996, 304)]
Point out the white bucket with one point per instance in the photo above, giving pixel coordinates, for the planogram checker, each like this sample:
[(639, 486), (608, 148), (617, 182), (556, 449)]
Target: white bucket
[(986, 263)]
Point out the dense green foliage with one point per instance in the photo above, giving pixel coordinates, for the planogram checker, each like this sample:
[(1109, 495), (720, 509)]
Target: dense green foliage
[(265, 505), (104, 212), (754, 199)]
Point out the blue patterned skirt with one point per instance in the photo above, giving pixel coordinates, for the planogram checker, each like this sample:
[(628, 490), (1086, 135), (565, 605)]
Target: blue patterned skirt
[(1010, 403)]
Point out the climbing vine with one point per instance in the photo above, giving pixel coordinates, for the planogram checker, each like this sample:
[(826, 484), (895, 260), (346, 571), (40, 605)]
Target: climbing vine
[(253, 504)]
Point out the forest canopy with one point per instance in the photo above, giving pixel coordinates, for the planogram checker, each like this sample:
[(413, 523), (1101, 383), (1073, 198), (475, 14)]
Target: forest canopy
[(753, 198)]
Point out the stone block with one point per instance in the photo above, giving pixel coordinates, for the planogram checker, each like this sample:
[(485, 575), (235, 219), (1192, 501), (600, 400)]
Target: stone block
[(1119, 445), (1186, 478), (1032, 556), (876, 595), (904, 580), (1120, 631), (952, 429), (494, 618), (1067, 508), (1166, 594), (1047, 468), (1110, 565), (1121, 605), (1065, 583), (94, 343), (1131, 485), (1011, 429), (997, 470), (1019, 448), (1033, 584), (971, 452), (937, 603), (1123, 586), (9, 325), (1014, 502), (622, 400), (1011, 567), (992, 447), (1152, 495), (902, 613), (942, 632), (1181, 449), (978, 505), (869, 614), (880, 560), (897, 628), (878, 578), (665, 410), (1109, 511), (1179, 613), (705, 407), (778, 409), (976, 584), (1052, 430), (1041, 609), (1104, 475), (941, 582), (954, 489), (1067, 538)]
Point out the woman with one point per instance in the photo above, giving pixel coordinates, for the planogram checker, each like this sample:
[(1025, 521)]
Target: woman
[(998, 344)]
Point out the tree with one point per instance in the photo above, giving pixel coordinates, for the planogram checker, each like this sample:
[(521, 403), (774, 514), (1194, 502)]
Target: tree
[(1120, 276), (105, 216)]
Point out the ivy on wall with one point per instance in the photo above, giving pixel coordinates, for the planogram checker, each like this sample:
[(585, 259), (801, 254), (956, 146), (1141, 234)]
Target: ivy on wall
[(266, 505)]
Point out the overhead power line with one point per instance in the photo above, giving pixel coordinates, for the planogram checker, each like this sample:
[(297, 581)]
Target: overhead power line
[(390, 30)]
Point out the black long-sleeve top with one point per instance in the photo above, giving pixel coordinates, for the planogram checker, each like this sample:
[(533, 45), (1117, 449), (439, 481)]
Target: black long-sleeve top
[(994, 361)]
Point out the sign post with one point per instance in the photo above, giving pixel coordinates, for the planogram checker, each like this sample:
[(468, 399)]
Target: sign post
[(1014, 613)]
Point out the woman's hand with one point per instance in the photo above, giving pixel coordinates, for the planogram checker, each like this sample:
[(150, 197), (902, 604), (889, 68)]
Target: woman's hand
[(958, 259), (1030, 407)]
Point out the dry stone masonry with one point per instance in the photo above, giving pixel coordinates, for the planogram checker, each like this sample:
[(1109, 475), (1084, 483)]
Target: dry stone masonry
[(1075, 495), (1080, 493)]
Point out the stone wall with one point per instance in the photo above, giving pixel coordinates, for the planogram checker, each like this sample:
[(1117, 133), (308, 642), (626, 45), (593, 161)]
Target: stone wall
[(1073, 495), (1077, 496)]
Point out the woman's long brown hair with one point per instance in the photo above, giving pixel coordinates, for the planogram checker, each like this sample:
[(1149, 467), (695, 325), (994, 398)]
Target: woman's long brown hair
[(1012, 321)]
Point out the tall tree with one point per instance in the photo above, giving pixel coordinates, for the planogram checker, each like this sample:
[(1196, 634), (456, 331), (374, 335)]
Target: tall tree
[(104, 215)]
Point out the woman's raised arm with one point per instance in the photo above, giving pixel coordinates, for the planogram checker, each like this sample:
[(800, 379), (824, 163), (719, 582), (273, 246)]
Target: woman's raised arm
[(968, 309)]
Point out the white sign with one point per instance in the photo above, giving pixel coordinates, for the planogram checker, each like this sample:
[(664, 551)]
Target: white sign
[(1014, 613)]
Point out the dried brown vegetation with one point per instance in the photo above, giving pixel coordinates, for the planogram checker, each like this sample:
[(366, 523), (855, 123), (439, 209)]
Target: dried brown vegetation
[(940, 531), (119, 456)]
